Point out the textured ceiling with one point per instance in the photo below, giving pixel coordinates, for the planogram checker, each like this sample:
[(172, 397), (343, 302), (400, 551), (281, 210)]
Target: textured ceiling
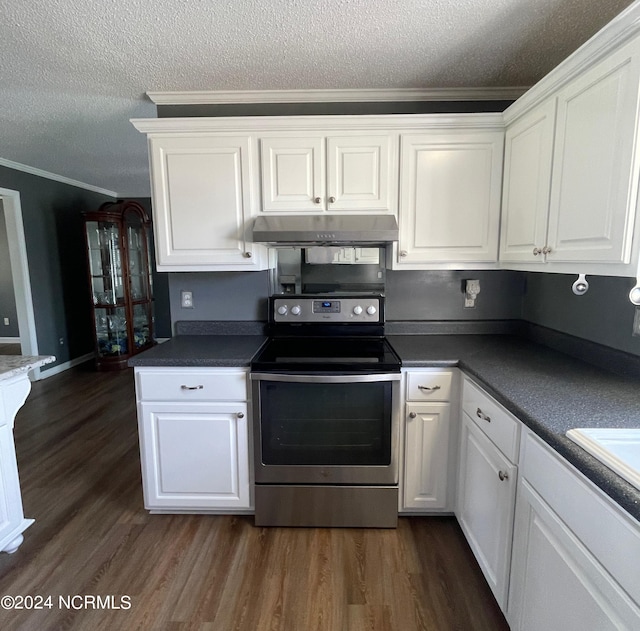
[(73, 73)]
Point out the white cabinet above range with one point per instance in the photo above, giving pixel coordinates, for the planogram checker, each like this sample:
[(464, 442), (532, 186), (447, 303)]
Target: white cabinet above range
[(302, 173)]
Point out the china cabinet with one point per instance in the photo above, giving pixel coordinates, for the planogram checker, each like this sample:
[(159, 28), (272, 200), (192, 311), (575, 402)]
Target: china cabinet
[(117, 240)]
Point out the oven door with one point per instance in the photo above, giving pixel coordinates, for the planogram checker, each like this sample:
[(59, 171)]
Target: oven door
[(326, 428)]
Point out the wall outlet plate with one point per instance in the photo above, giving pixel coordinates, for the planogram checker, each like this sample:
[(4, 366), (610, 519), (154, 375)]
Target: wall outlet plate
[(186, 299)]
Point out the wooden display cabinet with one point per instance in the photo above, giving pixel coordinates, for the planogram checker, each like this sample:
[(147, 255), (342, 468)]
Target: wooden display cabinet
[(118, 262)]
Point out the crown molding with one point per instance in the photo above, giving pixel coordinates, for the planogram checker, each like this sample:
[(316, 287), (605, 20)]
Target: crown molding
[(220, 97), (16, 166), (387, 122)]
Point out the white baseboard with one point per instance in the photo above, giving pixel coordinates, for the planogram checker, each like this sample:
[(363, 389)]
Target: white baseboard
[(55, 370), (9, 340)]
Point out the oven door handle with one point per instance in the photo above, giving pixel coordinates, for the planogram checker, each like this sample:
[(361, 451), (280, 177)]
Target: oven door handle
[(369, 378)]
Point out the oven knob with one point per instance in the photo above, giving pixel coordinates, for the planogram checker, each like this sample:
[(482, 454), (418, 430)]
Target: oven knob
[(371, 309), (282, 310), (295, 310), (357, 310)]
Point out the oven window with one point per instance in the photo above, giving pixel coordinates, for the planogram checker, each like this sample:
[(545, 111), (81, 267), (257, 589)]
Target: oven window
[(326, 423)]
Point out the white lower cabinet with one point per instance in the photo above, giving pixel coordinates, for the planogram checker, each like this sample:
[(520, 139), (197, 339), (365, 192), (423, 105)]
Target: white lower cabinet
[(427, 432), (487, 486), (194, 451), (575, 552)]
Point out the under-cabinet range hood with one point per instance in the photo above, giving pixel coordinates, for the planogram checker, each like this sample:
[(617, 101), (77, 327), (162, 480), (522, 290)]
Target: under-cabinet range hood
[(326, 230)]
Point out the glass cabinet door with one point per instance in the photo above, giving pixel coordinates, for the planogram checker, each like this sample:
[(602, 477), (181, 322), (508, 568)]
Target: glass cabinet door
[(105, 262)]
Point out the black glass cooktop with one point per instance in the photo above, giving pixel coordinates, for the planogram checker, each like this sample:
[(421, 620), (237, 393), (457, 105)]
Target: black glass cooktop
[(327, 354)]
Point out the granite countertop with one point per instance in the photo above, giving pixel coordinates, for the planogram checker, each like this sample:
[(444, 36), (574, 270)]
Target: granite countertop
[(548, 391), (12, 365), (216, 351)]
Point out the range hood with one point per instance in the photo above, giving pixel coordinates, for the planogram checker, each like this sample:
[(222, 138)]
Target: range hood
[(325, 229)]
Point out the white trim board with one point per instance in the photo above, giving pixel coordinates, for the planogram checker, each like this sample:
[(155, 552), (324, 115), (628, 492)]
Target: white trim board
[(55, 370), (16, 166), (219, 97)]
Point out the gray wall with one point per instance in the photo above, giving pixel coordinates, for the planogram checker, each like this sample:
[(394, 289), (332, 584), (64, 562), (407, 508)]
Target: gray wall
[(603, 315), (7, 293), (52, 217)]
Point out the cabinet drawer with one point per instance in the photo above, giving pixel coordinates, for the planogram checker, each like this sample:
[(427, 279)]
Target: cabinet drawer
[(498, 424), (429, 386), (187, 384)]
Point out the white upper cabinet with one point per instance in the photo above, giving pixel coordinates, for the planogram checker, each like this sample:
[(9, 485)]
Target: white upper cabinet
[(594, 180), (302, 173), (450, 183), (571, 166), (202, 203), (527, 182)]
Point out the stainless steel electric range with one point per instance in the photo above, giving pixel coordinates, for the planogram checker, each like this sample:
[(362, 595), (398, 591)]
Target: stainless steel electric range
[(326, 400)]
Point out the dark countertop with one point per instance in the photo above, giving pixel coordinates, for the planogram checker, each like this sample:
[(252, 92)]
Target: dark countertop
[(548, 391), (214, 351)]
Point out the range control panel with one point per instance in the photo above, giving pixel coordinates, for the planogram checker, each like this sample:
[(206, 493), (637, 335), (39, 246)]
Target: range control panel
[(340, 310)]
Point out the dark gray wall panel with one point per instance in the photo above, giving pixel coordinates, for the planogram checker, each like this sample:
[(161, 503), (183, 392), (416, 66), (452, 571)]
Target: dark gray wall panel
[(438, 295), (53, 226), (603, 315)]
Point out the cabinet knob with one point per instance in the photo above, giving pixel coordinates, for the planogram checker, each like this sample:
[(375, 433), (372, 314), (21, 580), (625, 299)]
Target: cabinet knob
[(483, 416), (503, 475), (316, 200), (546, 250), (332, 200), (247, 255), (403, 253), (192, 387), (240, 415), (412, 415), (428, 388), (536, 251)]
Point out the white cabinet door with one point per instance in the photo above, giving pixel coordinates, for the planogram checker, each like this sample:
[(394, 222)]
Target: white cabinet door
[(360, 173), (293, 173), (595, 172), (485, 507), (527, 183), (427, 428), (450, 187), (556, 583), (202, 203), (195, 456), (335, 173)]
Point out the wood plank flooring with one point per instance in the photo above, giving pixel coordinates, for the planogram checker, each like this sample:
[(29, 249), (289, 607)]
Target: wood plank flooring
[(77, 448)]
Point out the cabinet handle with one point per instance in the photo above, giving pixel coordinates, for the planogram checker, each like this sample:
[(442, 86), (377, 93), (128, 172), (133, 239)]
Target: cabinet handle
[(240, 415), (192, 387), (483, 416), (332, 200), (412, 415), (247, 255), (403, 253), (536, 251), (428, 388), (316, 200), (503, 475), (546, 250)]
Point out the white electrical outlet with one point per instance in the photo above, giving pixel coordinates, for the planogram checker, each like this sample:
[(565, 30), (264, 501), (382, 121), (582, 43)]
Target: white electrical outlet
[(186, 299), (6, 321)]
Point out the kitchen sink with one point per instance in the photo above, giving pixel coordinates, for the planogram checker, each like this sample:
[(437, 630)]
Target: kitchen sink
[(617, 448)]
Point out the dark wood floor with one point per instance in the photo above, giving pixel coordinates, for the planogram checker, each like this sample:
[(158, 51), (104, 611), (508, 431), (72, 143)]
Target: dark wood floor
[(77, 451), (10, 349)]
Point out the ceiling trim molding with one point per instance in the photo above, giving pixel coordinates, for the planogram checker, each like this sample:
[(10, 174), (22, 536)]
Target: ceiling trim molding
[(359, 122), (220, 97), (16, 166)]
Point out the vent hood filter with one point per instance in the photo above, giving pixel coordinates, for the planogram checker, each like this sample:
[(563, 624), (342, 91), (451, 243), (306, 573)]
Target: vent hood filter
[(326, 230)]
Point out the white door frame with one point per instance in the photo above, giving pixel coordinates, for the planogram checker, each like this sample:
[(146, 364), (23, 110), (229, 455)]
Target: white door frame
[(20, 273)]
